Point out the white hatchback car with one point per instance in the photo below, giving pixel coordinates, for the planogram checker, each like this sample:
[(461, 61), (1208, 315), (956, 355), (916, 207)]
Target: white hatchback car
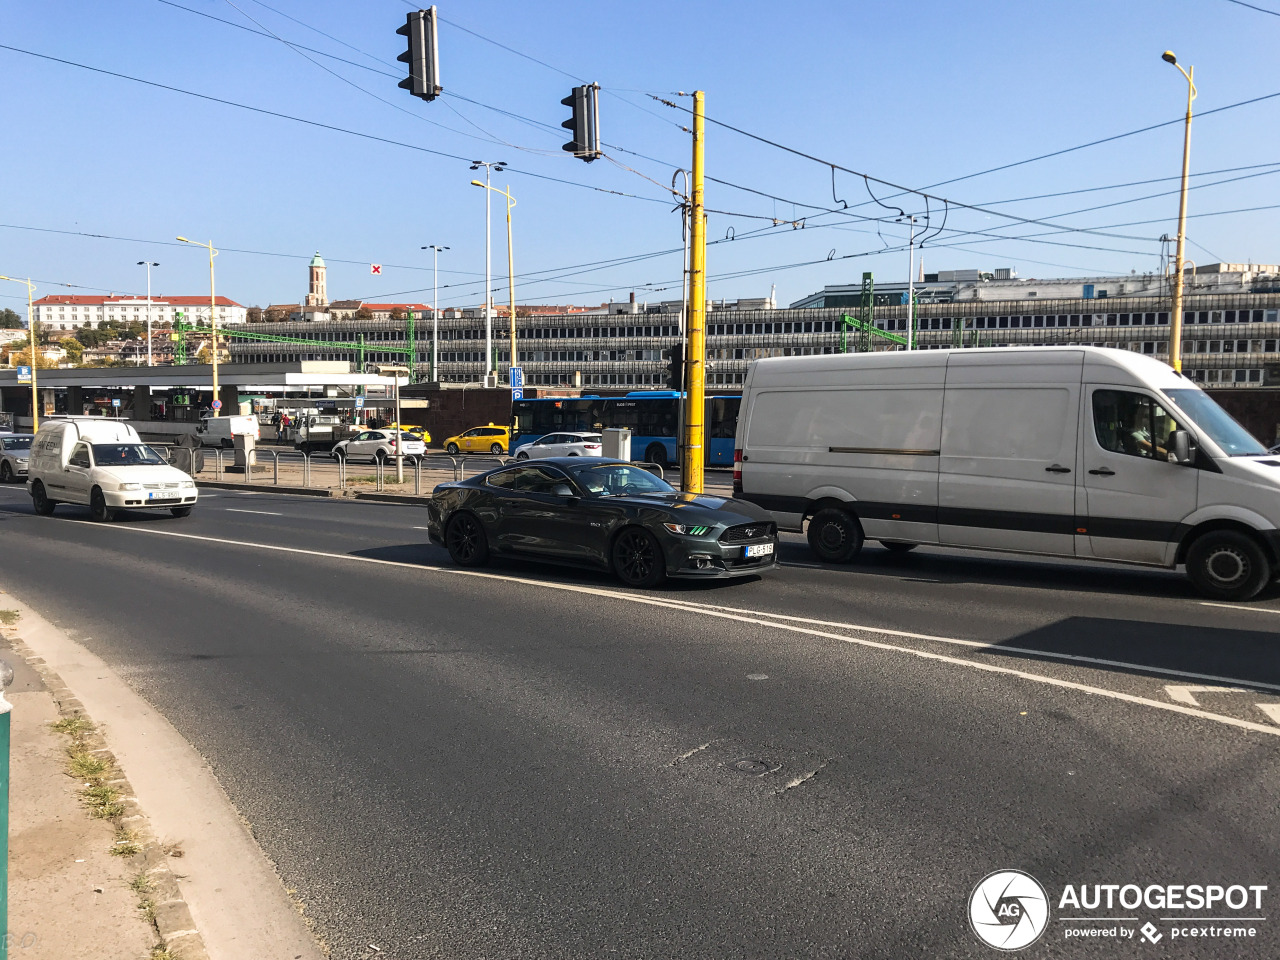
[(561, 445), (377, 445)]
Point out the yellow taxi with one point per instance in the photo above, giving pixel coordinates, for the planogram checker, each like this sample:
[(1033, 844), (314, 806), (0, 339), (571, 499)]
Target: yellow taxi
[(489, 439), (419, 432)]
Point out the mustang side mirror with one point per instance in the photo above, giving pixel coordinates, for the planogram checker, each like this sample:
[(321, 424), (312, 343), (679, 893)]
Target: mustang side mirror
[(1184, 450), (563, 490)]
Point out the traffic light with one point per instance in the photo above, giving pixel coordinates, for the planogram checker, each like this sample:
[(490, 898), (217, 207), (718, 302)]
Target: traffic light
[(673, 363), (584, 101), (423, 55)]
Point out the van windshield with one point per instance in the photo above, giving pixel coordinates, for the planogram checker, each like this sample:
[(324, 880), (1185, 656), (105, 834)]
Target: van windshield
[(125, 454), (1202, 410)]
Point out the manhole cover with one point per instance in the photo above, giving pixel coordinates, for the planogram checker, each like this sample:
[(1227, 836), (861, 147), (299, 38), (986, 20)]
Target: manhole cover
[(754, 767)]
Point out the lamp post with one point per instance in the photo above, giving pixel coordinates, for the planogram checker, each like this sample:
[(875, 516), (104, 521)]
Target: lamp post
[(148, 264), (488, 265), (396, 372), (435, 307), (31, 337), (213, 321), (911, 287), (511, 269), (1175, 319)]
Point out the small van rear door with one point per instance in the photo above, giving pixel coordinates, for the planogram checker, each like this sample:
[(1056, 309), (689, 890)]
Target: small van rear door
[(1007, 477)]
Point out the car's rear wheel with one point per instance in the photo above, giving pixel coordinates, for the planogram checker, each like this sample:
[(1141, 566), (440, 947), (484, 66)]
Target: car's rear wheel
[(1228, 565), (6, 472), (834, 535), (467, 543), (40, 500), (98, 508), (898, 546), (495, 448), (637, 558), (451, 449), (180, 511)]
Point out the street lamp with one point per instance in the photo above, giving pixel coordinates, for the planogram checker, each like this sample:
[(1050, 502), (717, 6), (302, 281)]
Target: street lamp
[(488, 294), (148, 264), (1175, 321), (435, 308), (213, 320), (31, 336), (511, 269)]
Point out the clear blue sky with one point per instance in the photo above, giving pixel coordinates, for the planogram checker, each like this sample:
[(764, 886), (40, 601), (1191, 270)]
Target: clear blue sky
[(911, 93)]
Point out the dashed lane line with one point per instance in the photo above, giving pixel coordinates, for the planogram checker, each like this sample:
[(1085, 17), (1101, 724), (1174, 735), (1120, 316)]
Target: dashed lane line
[(747, 618), (1239, 606), (265, 513)]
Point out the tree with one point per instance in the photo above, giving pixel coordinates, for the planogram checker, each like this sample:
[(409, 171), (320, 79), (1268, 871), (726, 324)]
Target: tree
[(23, 359), (398, 314), (93, 338), (10, 320), (253, 315), (277, 315), (74, 348), (364, 314)]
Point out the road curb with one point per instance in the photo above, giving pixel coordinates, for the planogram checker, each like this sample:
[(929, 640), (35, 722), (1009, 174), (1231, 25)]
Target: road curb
[(170, 914)]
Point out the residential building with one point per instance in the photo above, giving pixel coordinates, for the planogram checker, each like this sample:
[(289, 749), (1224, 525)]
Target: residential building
[(71, 311)]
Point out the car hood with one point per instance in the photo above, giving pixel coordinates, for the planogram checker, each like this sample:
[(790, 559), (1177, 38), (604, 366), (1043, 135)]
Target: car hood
[(699, 507), (142, 473)]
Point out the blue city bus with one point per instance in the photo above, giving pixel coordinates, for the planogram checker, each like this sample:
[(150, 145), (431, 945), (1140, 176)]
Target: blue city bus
[(651, 415)]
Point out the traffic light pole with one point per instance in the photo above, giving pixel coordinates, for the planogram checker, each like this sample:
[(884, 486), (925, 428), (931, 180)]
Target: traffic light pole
[(692, 456)]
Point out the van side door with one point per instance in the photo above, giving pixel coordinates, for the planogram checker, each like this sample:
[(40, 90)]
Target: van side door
[(1136, 497), (77, 476), (1007, 477)]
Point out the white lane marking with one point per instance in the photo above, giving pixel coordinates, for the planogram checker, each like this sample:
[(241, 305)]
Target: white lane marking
[(1238, 606), (1272, 710), (422, 528), (719, 614), (685, 756), (992, 647), (265, 513), (1184, 694)]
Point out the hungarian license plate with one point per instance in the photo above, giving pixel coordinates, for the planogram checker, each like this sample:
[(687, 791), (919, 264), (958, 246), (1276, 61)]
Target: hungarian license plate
[(760, 550), (152, 498)]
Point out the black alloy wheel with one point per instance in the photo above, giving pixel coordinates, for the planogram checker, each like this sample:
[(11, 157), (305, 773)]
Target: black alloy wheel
[(40, 501), (495, 448), (468, 546), (98, 508), (180, 511), (1228, 565), (6, 472), (834, 535), (637, 558)]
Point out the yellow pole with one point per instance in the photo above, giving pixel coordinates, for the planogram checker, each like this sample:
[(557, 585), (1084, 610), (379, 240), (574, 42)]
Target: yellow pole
[(511, 283), (696, 348), (1175, 320), (31, 339)]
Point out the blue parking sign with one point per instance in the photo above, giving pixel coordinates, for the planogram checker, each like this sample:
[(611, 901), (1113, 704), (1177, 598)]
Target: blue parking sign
[(516, 377)]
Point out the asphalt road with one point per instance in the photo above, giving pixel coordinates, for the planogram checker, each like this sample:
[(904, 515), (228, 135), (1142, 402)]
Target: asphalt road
[(532, 762)]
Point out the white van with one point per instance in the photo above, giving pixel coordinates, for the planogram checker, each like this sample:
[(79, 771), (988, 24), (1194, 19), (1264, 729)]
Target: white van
[(1065, 451), (102, 463), (221, 431)]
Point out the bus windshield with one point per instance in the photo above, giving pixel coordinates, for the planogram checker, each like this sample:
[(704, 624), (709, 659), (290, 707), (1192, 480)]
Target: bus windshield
[(1220, 427)]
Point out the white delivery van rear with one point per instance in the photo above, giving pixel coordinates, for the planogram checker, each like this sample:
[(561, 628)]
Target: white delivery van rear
[(221, 431)]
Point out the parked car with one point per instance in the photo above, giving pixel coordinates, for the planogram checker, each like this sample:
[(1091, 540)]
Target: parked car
[(419, 432), (374, 445), (561, 445), (606, 514), (1063, 451), (15, 448), (102, 463), (488, 439)]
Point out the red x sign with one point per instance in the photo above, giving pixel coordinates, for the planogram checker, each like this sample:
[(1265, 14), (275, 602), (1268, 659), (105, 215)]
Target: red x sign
[(375, 269)]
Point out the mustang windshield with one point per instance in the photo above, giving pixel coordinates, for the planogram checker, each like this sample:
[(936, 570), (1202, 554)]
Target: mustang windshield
[(619, 480), (1219, 425), (125, 455)]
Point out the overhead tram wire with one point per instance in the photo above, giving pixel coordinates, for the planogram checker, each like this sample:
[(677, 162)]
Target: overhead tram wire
[(323, 126)]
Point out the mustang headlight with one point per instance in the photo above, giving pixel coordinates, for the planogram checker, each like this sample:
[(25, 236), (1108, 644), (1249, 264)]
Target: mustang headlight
[(129, 486), (685, 530)]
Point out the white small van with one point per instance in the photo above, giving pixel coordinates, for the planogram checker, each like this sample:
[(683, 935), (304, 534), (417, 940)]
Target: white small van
[(103, 464), (1065, 451), (222, 431)]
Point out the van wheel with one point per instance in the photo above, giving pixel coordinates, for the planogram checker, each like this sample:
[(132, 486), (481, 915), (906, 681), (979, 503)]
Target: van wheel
[(898, 546), (98, 508), (180, 511), (1228, 565), (40, 500), (834, 535)]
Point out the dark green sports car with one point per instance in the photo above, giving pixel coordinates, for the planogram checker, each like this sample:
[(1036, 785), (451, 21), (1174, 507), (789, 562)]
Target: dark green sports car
[(600, 513)]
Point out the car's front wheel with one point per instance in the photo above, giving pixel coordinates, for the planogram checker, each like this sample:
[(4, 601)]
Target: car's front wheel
[(522, 455), (834, 535), (466, 540), (98, 508), (637, 558), (40, 500), (1228, 565), (6, 472), (451, 449), (339, 454)]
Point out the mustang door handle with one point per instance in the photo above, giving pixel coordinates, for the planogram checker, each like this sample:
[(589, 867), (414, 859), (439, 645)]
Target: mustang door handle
[(1103, 472), (1057, 468)]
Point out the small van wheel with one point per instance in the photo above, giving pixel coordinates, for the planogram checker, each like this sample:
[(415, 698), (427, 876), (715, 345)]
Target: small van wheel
[(898, 546), (98, 508), (834, 535), (1228, 565), (40, 500), (180, 512)]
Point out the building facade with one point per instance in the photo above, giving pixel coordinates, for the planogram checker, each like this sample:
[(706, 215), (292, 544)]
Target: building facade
[(59, 312)]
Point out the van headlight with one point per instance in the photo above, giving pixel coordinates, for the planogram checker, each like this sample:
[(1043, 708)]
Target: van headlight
[(187, 483), (129, 486)]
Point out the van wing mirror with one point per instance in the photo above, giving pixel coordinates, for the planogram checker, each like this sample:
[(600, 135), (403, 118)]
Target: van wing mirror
[(1184, 448)]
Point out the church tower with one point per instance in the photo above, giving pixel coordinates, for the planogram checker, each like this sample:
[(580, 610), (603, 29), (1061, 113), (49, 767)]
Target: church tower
[(317, 295)]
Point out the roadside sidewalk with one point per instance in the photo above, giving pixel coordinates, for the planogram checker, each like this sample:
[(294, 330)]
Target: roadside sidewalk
[(72, 895)]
